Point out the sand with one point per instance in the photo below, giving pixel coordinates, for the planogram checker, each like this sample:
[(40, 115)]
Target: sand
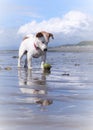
[(60, 100)]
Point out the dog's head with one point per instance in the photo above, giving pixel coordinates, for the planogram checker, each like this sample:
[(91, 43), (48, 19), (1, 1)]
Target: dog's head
[(44, 37)]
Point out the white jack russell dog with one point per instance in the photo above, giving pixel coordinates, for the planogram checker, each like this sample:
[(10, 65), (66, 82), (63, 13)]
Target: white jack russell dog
[(34, 46)]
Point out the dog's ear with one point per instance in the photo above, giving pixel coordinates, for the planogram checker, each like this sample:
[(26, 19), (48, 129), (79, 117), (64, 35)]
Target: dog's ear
[(39, 34), (51, 35)]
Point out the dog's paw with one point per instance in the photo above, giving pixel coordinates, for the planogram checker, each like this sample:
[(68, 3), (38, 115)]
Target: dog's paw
[(19, 66), (42, 66)]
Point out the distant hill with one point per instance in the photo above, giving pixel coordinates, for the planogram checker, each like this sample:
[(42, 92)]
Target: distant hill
[(84, 46), (85, 43)]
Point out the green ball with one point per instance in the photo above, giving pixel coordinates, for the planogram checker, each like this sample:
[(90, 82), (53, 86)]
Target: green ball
[(47, 66)]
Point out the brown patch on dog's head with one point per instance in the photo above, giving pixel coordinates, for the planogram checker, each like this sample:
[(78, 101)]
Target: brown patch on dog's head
[(39, 34), (44, 34), (48, 35)]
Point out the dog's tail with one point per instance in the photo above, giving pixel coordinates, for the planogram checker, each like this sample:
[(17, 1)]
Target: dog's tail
[(25, 38)]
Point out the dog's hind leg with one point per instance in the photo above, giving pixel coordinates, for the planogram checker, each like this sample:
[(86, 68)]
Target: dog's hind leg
[(43, 60)]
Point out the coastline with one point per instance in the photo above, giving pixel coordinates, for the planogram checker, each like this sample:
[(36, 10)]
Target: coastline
[(72, 48)]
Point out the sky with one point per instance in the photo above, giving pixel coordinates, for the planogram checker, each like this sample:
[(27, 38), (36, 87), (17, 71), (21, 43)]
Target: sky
[(70, 21)]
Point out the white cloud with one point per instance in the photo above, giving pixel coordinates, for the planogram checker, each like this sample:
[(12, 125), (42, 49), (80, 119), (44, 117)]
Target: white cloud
[(73, 26), (1, 31)]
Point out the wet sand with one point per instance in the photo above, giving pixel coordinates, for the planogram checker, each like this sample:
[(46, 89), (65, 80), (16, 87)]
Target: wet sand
[(33, 100)]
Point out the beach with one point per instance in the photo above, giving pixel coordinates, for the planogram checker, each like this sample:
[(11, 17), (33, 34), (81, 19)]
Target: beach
[(59, 100)]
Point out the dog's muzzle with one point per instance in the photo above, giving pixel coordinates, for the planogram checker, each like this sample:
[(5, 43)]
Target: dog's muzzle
[(45, 49)]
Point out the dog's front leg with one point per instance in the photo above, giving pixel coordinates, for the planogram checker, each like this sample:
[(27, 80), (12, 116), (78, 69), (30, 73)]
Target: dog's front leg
[(19, 62), (29, 60), (43, 60)]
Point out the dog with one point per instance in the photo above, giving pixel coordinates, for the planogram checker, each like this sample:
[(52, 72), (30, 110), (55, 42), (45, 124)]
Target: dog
[(34, 46)]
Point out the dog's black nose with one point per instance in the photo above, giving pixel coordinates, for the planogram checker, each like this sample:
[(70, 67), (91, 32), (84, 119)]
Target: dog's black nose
[(45, 49)]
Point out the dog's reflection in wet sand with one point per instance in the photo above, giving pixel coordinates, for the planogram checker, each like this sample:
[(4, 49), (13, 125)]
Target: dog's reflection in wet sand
[(34, 86)]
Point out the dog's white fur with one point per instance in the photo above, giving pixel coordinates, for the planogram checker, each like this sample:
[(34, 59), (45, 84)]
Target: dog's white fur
[(34, 46)]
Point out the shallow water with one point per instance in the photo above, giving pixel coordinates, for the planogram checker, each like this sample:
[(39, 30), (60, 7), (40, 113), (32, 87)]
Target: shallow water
[(34, 100)]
